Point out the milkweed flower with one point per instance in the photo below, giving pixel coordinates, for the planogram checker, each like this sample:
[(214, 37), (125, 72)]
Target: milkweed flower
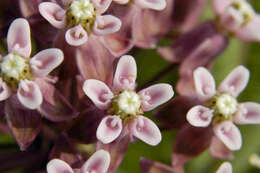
[(19, 72), (97, 163), (238, 18), (125, 107), (147, 4), (225, 167), (80, 18), (220, 107)]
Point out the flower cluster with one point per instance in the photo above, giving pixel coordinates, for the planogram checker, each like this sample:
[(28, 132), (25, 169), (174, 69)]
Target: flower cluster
[(76, 106)]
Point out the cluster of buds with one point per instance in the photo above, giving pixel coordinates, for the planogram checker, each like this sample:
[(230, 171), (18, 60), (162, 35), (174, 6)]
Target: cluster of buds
[(76, 106)]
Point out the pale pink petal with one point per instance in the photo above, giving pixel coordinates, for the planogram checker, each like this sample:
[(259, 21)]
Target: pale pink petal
[(53, 13), (98, 92), (235, 82), (204, 83), (219, 150), (151, 4), (101, 5), (76, 36), (5, 91), (250, 32), (46, 61), (121, 1), (225, 167), (145, 130), (109, 129), (97, 163), (106, 24), (19, 38), (155, 95), (219, 6), (249, 113), (200, 116), (58, 166), (29, 94), (125, 74), (229, 134)]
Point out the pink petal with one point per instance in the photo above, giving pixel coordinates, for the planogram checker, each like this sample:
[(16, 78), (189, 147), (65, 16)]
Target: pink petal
[(219, 150), (155, 95), (145, 130), (53, 13), (29, 94), (249, 113), (76, 36), (121, 1), (109, 129), (151, 4), (98, 162), (229, 134), (5, 91), (98, 92), (250, 32), (125, 74), (225, 167), (19, 38), (204, 83), (219, 6), (106, 24), (58, 166), (200, 116), (235, 82), (101, 5), (46, 61)]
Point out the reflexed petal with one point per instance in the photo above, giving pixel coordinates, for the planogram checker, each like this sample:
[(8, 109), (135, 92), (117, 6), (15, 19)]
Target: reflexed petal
[(76, 36), (149, 166), (101, 5), (121, 1), (29, 94), (145, 130), (46, 61), (19, 38), (53, 13), (250, 32), (154, 4), (229, 134), (5, 91), (219, 150), (58, 166), (220, 6), (235, 82), (200, 116), (225, 167), (125, 74), (106, 24), (155, 95), (109, 129), (98, 92), (204, 83), (98, 162), (249, 113)]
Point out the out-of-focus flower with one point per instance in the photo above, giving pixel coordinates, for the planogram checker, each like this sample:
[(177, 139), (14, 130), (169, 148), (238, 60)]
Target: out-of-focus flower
[(238, 18), (225, 167), (98, 163), (80, 18), (155, 5), (124, 106), (254, 160)]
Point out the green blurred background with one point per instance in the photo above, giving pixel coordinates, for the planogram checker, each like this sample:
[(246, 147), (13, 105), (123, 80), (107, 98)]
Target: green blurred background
[(236, 53)]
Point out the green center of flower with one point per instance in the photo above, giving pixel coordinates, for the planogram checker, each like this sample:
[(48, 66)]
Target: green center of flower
[(242, 11), (13, 69), (127, 104), (224, 106), (81, 12)]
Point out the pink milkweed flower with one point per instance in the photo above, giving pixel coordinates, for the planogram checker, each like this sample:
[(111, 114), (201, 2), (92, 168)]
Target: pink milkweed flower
[(147, 4), (239, 18), (225, 167), (80, 18), (124, 107), (221, 108), (19, 73), (97, 163)]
